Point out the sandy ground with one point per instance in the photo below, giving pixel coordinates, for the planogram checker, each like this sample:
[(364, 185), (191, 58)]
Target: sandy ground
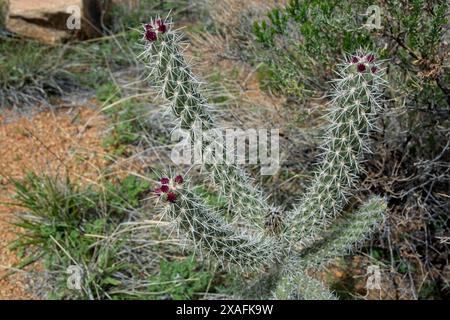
[(50, 141)]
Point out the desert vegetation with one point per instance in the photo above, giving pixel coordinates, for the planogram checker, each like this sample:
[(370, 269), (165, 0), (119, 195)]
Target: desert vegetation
[(94, 207)]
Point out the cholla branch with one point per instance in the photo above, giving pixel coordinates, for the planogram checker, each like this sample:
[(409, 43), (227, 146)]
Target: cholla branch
[(244, 198), (344, 237), (339, 241), (173, 77), (297, 285), (355, 104), (212, 236), (172, 73)]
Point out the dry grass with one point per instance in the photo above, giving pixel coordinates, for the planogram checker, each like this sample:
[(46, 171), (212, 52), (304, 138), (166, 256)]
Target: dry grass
[(234, 20), (49, 141)]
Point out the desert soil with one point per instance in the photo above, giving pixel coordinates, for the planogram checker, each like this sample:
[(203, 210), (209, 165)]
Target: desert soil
[(65, 140)]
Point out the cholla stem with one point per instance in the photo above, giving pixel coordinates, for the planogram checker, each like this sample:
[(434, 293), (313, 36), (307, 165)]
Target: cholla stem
[(339, 241), (176, 82), (344, 237), (215, 238), (355, 106)]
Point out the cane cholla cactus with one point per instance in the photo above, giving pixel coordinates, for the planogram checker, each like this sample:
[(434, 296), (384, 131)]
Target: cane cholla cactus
[(303, 242)]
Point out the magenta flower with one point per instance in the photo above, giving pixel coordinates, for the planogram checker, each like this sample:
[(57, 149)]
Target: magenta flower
[(150, 35), (148, 27), (179, 179), (361, 67), (171, 197), (161, 26), (354, 59), (164, 180), (374, 69), (164, 188), (370, 58)]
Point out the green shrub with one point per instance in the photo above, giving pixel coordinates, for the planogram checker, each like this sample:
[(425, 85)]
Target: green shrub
[(303, 42)]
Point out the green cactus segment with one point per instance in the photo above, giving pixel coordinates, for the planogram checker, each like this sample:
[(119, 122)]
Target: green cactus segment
[(344, 237), (244, 199), (340, 240), (300, 286), (214, 238), (355, 105), (175, 82)]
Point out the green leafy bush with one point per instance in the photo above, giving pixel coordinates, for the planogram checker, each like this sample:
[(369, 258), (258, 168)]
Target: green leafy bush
[(302, 43)]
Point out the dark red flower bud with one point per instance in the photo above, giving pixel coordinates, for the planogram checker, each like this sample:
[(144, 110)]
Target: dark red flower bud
[(150, 35), (179, 179), (171, 197), (164, 180), (361, 67), (374, 69), (165, 188), (161, 26), (148, 27), (354, 59), (370, 58)]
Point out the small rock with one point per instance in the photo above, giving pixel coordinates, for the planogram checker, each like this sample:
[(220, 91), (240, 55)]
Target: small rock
[(52, 21)]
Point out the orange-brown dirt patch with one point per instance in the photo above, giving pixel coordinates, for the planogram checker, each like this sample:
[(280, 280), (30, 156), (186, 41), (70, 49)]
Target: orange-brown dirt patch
[(65, 141)]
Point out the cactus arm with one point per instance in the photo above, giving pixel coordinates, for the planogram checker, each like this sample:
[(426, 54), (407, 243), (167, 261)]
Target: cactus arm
[(344, 237), (297, 285), (215, 238), (355, 105), (341, 239), (176, 82)]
